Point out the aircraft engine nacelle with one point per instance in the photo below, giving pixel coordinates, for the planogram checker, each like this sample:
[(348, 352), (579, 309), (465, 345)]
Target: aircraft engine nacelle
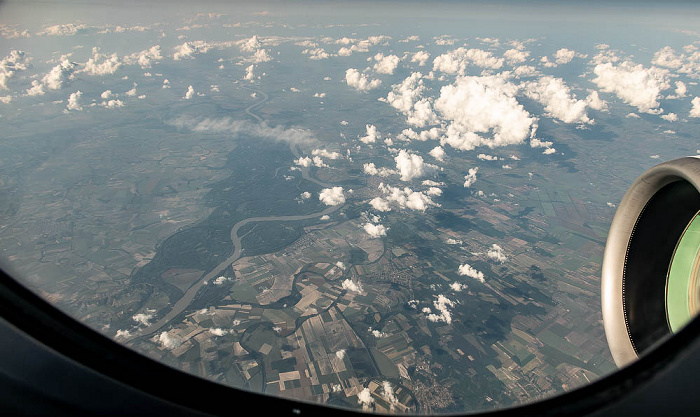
[(650, 284)]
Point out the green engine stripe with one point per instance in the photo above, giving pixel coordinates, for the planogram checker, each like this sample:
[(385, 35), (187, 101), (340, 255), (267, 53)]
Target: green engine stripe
[(680, 276)]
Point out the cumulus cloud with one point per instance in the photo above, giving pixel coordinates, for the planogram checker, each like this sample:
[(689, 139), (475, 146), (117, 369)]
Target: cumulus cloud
[(101, 64), (62, 30), (167, 341), (374, 230), (471, 272), (371, 169), (402, 198), (218, 331), (73, 101), (11, 64), (438, 153), (145, 58), (326, 154), (249, 74), (633, 84), (316, 53), (386, 64), (221, 280), (516, 56), (371, 135), (407, 98), (671, 117), (667, 57), (190, 93), (562, 56), (143, 318), (364, 398), (411, 166), (332, 196), (360, 81), (558, 100), (238, 127), (496, 253), (188, 49), (483, 105), (695, 110), (456, 61), (421, 57), (54, 79), (442, 305), (470, 178)]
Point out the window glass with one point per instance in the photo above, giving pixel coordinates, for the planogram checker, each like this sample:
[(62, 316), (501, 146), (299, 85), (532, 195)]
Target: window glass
[(395, 206)]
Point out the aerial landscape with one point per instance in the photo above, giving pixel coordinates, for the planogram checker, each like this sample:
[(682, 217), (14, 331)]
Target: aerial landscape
[(396, 208)]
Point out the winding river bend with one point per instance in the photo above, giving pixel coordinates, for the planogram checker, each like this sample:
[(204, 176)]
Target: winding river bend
[(191, 292)]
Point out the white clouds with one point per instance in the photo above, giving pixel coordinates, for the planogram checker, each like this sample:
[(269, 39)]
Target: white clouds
[(221, 280), (485, 157), (122, 334), (143, 318), (218, 331), (421, 57), (438, 153), (471, 272), (54, 79), (667, 57), (189, 49), (558, 100), (516, 56), (62, 30), (442, 305), (562, 56), (371, 169), (386, 64), (456, 61), (332, 196), (695, 110), (476, 105), (635, 85), (470, 178), (403, 198), (249, 75), (167, 341), (380, 204), (145, 58), (112, 104), (260, 56), (365, 399), (12, 63), (411, 166), (671, 117), (190, 93), (371, 135), (496, 253), (73, 101), (316, 53), (326, 154), (236, 127), (374, 230), (353, 286), (101, 64), (595, 102), (360, 81), (406, 98), (249, 44)]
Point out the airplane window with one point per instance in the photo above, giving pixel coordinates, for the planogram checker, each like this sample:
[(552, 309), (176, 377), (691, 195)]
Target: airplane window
[(390, 207)]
